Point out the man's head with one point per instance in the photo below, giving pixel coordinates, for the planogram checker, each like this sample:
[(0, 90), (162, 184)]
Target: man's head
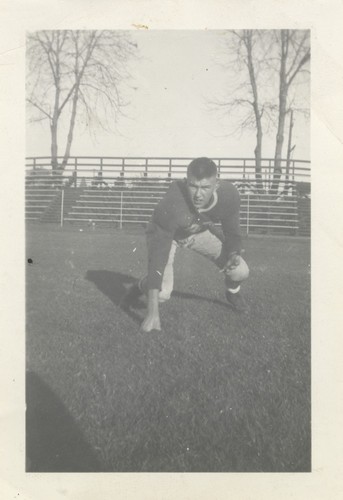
[(201, 181)]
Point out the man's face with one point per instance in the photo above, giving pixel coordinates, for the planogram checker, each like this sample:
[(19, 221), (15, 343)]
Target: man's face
[(201, 191)]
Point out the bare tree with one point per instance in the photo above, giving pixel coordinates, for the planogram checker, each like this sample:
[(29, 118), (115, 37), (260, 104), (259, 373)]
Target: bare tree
[(247, 39), (293, 56), (73, 74), (248, 53), (266, 64)]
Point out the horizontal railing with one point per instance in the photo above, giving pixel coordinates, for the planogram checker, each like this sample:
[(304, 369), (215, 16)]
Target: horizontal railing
[(166, 167)]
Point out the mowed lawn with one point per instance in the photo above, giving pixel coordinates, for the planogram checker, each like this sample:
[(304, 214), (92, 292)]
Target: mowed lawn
[(215, 391)]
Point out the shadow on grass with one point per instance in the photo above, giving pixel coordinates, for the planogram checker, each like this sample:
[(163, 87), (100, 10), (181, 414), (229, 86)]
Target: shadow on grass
[(54, 443), (115, 285), (184, 295)]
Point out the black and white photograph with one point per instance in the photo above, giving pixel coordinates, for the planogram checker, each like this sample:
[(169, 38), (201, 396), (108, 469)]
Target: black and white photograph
[(168, 208), (171, 200)]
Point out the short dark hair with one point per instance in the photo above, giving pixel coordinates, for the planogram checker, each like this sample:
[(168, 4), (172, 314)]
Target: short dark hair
[(202, 168)]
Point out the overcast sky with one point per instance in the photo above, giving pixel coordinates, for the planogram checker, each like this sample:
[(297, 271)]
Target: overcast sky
[(175, 77)]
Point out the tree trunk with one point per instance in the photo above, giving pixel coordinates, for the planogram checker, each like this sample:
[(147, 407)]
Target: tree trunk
[(258, 158), (282, 113), (255, 104), (289, 148), (54, 128), (55, 117), (54, 147), (279, 144), (71, 128)]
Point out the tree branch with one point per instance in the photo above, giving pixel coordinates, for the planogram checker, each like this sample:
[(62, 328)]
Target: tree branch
[(40, 109), (303, 61), (47, 51), (66, 99)]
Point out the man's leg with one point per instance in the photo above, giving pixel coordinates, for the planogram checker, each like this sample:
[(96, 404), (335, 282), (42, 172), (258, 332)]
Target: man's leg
[(233, 280), (208, 245), (168, 276), (167, 280), (234, 277)]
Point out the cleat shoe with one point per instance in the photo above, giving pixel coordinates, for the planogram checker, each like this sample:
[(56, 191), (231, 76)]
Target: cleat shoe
[(131, 298), (236, 301)]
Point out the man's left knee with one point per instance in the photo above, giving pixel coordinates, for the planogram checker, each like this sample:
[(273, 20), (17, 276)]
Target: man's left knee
[(163, 297), (240, 273)]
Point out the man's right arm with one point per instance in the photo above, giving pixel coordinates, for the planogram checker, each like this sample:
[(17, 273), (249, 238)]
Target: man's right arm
[(160, 235), (159, 245), (152, 319)]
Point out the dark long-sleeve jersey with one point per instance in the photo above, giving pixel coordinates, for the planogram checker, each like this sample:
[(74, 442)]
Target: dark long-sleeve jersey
[(175, 214)]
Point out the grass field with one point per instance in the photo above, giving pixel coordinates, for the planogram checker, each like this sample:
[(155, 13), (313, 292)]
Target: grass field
[(215, 391)]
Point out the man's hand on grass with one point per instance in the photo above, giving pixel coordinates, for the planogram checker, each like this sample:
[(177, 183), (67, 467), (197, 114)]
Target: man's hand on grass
[(152, 319), (151, 322)]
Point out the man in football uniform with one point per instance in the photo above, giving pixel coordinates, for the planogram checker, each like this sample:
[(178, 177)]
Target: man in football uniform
[(186, 217)]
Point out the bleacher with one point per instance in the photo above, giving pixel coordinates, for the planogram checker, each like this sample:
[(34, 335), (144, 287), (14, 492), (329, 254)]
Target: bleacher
[(126, 201), (120, 200)]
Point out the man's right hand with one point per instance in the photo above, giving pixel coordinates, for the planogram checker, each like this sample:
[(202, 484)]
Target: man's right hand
[(152, 319), (151, 322)]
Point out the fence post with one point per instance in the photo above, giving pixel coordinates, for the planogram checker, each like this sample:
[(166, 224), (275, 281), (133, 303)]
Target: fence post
[(75, 172), (62, 207), (121, 210), (293, 166), (270, 174), (248, 214), (268, 215)]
